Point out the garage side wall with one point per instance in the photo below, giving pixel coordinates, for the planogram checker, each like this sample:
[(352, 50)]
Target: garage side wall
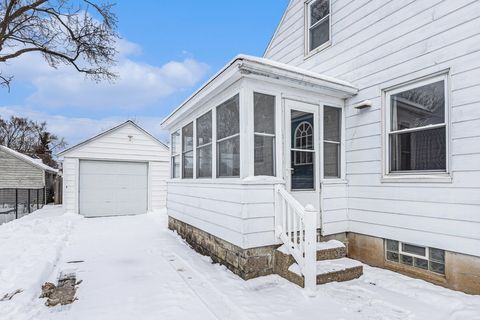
[(159, 173), (70, 184)]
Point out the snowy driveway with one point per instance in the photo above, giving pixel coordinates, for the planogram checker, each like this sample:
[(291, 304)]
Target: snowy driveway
[(134, 268)]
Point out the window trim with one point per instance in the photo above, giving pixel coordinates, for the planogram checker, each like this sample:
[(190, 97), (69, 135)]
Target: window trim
[(178, 154), (217, 141), (263, 134), (183, 152), (301, 149), (307, 52), (200, 146), (420, 176), (340, 143)]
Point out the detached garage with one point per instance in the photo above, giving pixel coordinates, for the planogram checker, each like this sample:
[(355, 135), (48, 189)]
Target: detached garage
[(122, 171)]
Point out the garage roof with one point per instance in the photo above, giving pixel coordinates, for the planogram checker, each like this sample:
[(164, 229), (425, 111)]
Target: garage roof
[(130, 122)]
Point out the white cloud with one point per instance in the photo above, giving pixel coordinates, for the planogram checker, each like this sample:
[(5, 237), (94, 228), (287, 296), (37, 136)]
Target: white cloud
[(77, 129), (139, 84)]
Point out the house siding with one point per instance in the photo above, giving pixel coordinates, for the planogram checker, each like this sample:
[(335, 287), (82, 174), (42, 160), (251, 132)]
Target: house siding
[(240, 214), (117, 146), (379, 44), (16, 173)]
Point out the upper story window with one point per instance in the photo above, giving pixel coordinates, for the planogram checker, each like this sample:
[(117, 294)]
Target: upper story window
[(264, 134), (187, 151), (204, 146), (318, 24), (303, 140), (417, 127), (175, 146), (228, 138)]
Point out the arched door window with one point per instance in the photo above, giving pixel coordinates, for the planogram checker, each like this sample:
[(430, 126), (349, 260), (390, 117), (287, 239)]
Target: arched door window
[(303, 140)]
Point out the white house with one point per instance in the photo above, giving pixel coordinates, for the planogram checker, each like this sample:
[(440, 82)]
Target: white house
[(363, 115), (121, 171)]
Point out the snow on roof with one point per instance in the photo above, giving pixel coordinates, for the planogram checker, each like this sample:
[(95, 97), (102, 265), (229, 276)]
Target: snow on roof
[(276, 66), (109, 131), (35, 162)]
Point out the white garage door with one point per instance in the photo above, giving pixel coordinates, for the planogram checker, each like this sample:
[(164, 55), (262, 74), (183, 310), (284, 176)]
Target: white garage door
[(110, 188)]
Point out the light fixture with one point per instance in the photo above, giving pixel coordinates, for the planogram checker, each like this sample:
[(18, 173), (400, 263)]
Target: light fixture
[(362, 105)]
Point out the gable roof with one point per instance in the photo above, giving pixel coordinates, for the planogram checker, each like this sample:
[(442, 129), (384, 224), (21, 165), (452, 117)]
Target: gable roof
[(104, 133), (23, 157)]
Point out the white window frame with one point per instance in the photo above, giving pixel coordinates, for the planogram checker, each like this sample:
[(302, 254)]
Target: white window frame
[(308, 27), (341, 144), (262, 134), (182, 169), (217, 141), (173, 155), (416, 175), (199, 146), (300, 149)]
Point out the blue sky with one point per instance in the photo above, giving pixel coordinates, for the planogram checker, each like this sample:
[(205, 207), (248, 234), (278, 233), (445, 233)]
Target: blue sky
[(168, 49)]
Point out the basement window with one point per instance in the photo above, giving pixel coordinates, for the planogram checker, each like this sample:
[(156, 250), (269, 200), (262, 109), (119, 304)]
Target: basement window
[(415, 256)]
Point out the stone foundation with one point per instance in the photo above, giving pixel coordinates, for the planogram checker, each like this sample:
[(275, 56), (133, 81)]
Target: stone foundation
[(462, 272), (246, 263)]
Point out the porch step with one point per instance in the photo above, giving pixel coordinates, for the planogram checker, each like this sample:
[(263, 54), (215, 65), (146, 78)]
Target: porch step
[(332, 264)]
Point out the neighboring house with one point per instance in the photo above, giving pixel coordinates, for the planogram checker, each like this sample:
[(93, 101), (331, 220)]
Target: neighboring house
[(26, 183), (121, 171), (364, 112)]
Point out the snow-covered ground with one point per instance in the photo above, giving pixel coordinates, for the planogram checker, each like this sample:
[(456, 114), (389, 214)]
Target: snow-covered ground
[(134, 268)]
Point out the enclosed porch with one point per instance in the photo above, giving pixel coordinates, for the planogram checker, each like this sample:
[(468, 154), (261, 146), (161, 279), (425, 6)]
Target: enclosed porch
[(257, 156)]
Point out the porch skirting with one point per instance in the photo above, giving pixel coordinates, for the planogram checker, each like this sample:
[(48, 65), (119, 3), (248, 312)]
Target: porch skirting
[(246, 263)]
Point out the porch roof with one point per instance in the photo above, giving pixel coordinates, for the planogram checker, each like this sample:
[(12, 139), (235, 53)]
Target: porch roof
[(266, 70)]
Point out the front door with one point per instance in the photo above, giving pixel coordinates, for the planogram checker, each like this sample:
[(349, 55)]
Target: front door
[(302, 151)]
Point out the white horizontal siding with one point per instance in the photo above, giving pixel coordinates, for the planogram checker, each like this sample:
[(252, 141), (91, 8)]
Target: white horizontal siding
[(118, 146), (240, 214), (377, 44), (126, 143)]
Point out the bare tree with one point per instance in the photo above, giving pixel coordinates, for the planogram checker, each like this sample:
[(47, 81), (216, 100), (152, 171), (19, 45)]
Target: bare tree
[(30, 138), (78, 33)]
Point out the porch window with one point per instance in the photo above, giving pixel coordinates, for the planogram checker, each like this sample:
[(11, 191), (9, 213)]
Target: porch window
[(175, 144), (331, 141), (418, 127), (264, 127), (228, 138), (187, 151), (204, 146), (318, 24)]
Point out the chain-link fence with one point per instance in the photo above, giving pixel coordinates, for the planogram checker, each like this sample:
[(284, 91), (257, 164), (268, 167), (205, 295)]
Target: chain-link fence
[(16, 203)]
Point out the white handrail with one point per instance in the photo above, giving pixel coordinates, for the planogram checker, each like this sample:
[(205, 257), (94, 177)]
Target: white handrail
[(295, 226)]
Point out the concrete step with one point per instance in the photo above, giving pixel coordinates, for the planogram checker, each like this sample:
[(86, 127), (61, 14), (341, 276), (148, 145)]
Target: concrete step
[(336, 270), (330, 250), (332, 264)]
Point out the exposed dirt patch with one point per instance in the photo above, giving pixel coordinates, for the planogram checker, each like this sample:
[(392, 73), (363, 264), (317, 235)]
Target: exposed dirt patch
[(63, 293)]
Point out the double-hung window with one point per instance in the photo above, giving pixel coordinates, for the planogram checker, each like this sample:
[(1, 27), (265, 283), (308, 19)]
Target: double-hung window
[(264, 134), (318, 24), (187, 151), (417, 127), (332, 120), (228, 138), (175, 145), (204, 146)]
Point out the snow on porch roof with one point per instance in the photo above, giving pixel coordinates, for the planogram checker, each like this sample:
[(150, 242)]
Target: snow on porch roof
[(248, 65)]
